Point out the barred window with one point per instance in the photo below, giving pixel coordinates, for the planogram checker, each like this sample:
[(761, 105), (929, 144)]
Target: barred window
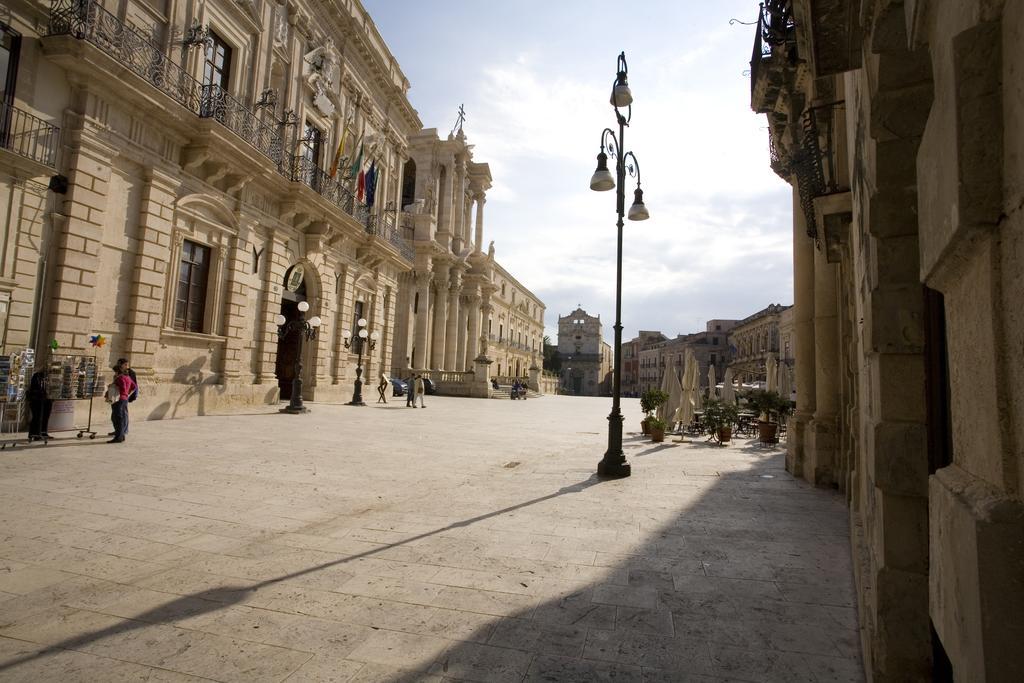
[(193, 273)]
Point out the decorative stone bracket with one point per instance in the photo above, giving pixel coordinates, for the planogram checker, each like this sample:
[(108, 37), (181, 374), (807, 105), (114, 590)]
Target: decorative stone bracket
[(833, 214)]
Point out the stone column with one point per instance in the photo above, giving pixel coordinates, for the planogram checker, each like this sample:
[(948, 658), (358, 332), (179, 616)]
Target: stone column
[(460, 352), (820, 438), (441, 274), (419, 361), (149, 275), (444, 207), (479, 238), (473, 338), (451, 346), (458, 207), (803, 327)]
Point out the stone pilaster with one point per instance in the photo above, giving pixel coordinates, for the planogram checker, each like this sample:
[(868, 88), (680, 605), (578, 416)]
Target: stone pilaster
[(77, 257), (419, 361), (236, 304), (441, 274), (266, 328), (342, 304), (451, 347), (145, 311)]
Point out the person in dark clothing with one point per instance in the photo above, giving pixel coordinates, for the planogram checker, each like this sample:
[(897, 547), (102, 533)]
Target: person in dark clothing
[(410, 392), (40, 405)]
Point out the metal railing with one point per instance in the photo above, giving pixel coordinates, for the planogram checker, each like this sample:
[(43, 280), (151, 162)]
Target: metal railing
[(28, 136), (814, 161), (383, 225), (132, 49), (775, 27)]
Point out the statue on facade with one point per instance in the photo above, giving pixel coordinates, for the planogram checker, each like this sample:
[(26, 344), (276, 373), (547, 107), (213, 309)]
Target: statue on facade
[(322, 70), (281, 25), (490, 251)]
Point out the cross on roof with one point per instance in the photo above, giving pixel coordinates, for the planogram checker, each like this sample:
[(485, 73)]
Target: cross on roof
[(460, 120)]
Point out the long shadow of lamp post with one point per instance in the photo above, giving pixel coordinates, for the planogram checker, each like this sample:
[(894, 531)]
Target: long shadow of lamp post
[(614, 462), (359, 342), (307, 331)]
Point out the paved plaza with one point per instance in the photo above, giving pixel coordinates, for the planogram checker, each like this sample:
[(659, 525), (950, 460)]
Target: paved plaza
[(465, 541)]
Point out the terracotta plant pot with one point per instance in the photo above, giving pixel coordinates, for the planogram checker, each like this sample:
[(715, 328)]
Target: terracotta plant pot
[(766, 431), (643, 427), (657, 434), (725, 434)]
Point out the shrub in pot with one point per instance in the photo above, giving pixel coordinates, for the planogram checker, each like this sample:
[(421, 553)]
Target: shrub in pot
[(657, 429), (770, 407), (719, 417), (650, 400)]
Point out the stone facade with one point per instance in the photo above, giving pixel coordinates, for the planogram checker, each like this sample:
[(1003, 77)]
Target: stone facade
[(752, 341), (632, 373), (898, 125), (461, 312), (202, 188), (710, 347), (579, 347)]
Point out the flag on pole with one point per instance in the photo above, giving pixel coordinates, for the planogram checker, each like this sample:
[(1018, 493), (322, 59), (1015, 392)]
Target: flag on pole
[(340, 152), (371, 183), (357, 163), (361, 185)]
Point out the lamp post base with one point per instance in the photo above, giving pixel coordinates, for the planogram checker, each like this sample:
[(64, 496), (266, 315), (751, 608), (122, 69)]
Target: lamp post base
[(614, 465), (356, 403), (294, 410)]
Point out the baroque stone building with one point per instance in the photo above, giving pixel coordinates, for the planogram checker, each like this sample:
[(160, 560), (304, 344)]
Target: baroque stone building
[(710, 347), (579, 347), (631, 373), (182, 173), (458, 305), (752, 340), (898, 124)]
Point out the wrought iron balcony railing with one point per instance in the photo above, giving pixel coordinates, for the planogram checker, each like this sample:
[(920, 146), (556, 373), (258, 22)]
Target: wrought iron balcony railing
[(132, 49), (775, 28), (28, 136), (815, 162), (306, 171), (383, 225)]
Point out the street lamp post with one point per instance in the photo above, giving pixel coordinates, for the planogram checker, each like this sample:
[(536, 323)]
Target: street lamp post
[(359, 342), (614, 462), (307, 331)]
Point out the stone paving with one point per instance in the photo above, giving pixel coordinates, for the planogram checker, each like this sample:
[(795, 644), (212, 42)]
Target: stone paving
[(465, 541)]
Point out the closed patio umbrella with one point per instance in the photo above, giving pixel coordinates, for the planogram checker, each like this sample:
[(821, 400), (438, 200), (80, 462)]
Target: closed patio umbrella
[(675, 396), (712, 381), (728, 391), (684, 413), (666, 379), (772, 372), (698, 398)]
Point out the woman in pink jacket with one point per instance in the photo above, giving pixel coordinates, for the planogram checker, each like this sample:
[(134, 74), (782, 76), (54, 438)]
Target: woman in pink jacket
[(119, 408)]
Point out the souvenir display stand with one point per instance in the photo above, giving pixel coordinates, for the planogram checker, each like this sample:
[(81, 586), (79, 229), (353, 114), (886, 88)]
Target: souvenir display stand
[(74, 378), (15, 373)]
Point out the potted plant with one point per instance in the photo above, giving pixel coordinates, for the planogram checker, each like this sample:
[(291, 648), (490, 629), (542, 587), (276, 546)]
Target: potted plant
[(657, 429), (719, 418), (649, 402), (768, 405)]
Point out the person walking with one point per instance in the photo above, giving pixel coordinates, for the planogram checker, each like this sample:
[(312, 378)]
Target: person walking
[(118, 393), (420, 391), (410, 392), (41, 405)]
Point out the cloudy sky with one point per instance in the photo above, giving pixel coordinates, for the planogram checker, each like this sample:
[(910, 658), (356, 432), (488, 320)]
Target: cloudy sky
[(535, 79)]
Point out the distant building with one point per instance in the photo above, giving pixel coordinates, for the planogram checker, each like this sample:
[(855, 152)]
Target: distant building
[(631, 370), (580, 348), (752, 341)]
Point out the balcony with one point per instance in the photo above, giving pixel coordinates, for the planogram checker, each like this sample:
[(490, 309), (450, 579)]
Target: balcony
[(816, 160), (29, 137), (302, 169), (132, 50), (774, 55)]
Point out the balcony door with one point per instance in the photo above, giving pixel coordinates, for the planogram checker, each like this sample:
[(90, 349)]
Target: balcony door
[(10, 46), (217, 65)]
